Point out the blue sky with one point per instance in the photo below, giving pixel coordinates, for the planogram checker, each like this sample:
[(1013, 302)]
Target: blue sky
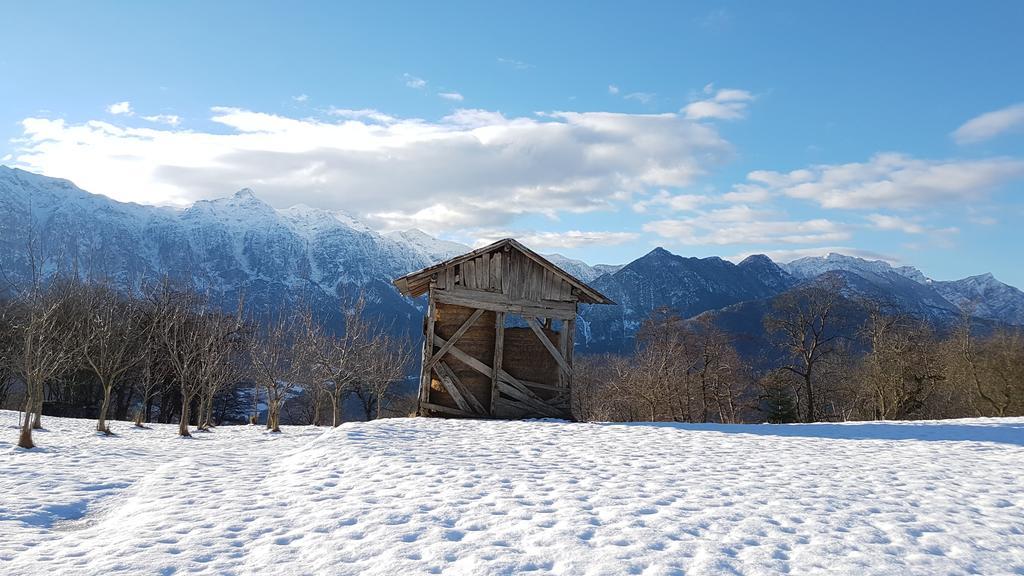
[(597, 130)]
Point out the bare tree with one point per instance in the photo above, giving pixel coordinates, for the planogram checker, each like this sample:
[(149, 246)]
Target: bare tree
[(339, 362), (272, 359), (902, 368), (991, 368), (40, 329), (387, 363), (112, 336), (808, 322), (186, 344)]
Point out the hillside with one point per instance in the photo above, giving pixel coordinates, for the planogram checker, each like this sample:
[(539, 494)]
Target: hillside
[(493, 497)]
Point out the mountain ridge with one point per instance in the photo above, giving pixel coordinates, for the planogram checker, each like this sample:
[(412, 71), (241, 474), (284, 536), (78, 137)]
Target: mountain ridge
[(240, 244)]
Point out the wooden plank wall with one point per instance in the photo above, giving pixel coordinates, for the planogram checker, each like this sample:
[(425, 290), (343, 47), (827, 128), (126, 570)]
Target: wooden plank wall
[(478, 342), (510, 273)]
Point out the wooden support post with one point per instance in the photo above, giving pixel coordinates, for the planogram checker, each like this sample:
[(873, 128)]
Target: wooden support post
[(499, 352), (563, 334), (428, 348)]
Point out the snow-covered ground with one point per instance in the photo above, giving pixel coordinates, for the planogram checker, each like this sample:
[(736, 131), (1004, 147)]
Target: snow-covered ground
[(410, 496)]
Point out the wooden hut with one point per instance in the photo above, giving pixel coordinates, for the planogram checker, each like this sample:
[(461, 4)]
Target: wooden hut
[(498, 333)]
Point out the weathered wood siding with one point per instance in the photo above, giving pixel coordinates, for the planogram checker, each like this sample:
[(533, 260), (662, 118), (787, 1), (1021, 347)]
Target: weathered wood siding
[(507, 272), (477, 341)]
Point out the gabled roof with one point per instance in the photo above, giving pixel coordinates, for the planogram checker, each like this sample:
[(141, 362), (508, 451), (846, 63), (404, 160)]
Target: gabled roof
[(417, 283)]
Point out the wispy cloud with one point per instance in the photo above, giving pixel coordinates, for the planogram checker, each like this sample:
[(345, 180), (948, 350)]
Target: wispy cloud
[(516, 64), (721, 104), (454, 96), (168, 119), (892, 180), (414, 81), (674, 202), (642, 97), (121, 109), (385, 168), (889, 222), (559, 240), (613, 89), (300, 98), (991, 124), (741, 224)]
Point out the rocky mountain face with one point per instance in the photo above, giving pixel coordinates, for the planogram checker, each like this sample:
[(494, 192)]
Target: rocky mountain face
[(239, 245), (226, 247), (905, 286), (688, 286)]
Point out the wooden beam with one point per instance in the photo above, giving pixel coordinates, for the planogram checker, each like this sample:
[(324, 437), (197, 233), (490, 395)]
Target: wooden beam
[(428, 348), (499, 353), (569, 328), (484, 369), (449, 384), (439, 408), (502, 303), (534, 404), (455, 337), (547, 344), (563, 340), (446, 373)]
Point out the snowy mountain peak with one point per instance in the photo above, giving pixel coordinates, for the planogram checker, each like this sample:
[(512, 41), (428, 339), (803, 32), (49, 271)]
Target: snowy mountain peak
[(429, 247), (245, 194), (758, 259), (814, 266)]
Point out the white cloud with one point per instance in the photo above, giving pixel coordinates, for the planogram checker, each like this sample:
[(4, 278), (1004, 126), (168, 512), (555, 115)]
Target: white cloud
[(384, 168), (991, 124), (788, 255), (613, 89), (983, 220), (747, 193), (741, 224), (893, 181), (121, 108), (517, 64), (300, 98), (455, 96), (724, 104), (674, 202), (168, 119), (887, 222), (558, 240), (641, 97), (414, 81)]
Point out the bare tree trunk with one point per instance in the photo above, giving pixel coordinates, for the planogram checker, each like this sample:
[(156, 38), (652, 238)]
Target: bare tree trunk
[(183, 423), (37, 410), (25, 438), (810, 397), (101, 424), (335, 416)]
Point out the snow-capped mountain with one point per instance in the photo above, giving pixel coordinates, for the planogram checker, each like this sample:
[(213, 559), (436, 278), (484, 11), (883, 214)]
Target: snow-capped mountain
[(224, 246), (581, 269), (814, 266), (981, 296), (985, 297), (240, 244), (688, 286)]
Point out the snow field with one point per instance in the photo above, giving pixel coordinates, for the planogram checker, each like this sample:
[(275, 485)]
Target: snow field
[(423, 496)]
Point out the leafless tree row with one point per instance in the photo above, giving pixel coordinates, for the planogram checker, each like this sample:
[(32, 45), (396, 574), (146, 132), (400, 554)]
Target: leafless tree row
[(837, 359), (88, 349), (681, 371)]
